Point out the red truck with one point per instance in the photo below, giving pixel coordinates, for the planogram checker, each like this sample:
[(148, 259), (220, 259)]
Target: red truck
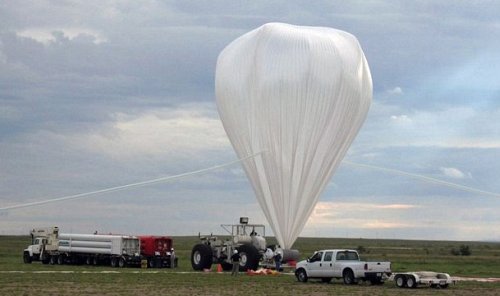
[(158, 250)]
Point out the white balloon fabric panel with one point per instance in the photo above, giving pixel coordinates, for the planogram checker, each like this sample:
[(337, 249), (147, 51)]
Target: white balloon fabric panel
[(299, 95)]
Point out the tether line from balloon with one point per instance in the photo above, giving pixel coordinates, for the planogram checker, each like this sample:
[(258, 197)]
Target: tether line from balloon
[(423, 178), (128, 186)]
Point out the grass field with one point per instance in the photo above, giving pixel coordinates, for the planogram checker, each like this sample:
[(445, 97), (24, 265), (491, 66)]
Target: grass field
[(17, 278)]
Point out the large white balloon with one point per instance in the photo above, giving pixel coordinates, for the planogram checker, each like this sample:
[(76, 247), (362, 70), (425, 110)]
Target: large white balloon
[(300, 95)]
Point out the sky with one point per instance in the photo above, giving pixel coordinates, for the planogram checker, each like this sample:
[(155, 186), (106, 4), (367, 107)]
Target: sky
[(98, 94)]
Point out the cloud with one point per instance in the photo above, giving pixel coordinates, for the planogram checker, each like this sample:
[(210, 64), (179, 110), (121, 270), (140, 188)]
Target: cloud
[(50, 35), (395, 91), (184, 131), (452, 173)]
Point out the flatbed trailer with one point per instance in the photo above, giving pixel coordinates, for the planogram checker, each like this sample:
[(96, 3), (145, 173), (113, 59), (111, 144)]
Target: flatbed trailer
[(420, 278)]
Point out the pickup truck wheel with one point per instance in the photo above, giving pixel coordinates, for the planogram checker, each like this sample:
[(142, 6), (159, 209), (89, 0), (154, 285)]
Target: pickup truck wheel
[(400, 281), (27, 258), (201, 257), (410, 282), (326, 280), (349, 277), (301, 275)]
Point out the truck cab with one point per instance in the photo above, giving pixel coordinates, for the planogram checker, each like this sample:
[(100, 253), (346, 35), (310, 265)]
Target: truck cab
[(43, 240)]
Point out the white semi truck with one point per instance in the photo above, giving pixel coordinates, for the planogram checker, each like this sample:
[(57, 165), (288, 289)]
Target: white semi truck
[(50, 246), (344, 264)]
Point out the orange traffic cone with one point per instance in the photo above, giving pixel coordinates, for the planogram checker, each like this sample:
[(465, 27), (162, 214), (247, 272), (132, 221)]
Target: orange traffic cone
[(219, 267)]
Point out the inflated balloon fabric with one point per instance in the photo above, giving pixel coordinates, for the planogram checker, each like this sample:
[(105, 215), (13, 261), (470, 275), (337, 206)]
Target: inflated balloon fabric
[(299, 95)]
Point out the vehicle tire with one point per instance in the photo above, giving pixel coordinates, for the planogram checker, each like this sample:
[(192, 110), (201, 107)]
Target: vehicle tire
[(201, 257), (249, 257), (411, 282), (27, 258), (122, 262), (60, 259), (326, 280), (226, 266), (95, 261), (301, 275), (114, 262), (53, 260), (400, 281), (151, 263), (443, 286), (89, 260), (348, 277), (46, 260)]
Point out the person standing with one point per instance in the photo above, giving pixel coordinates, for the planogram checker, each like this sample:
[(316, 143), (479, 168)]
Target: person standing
[(236, 263), (277, 260), (172, 258)]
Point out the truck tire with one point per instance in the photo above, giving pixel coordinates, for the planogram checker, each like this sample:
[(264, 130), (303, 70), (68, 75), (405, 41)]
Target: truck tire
[(27, 258), (301, 275), (400, 281), (249, 257), (122, 262), (348, 276), (201, 257), (114, 262), (60, 259), (151, 263), (411, 282), (52, 260)]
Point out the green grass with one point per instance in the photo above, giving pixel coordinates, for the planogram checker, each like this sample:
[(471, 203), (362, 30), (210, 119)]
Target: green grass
[(405, 255)]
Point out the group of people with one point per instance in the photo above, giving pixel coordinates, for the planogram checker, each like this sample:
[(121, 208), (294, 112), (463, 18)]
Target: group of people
[(235, 259)]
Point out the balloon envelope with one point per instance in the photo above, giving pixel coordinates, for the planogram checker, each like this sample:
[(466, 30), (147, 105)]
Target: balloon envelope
[(299, 95)]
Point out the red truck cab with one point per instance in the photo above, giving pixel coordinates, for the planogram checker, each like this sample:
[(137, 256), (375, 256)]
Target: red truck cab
[(158, 251)]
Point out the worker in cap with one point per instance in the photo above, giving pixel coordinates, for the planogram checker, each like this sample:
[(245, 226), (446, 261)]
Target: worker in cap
[(172, 258), (235, 259)]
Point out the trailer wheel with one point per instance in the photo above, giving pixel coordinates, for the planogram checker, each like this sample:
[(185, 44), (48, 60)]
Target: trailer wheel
[(151, 263), (27, 258), (114, 262), (400, 281), (121, 262), (249, 257), (201, 257), (88, 260), (301, 275), (52, 260), (410, 282), (60, 259)]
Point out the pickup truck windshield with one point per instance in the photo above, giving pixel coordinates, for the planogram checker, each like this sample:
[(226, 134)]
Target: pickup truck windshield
[(347, 255)]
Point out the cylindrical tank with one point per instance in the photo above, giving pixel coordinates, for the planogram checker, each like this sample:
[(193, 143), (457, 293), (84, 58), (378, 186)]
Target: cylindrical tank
[(288, 254)]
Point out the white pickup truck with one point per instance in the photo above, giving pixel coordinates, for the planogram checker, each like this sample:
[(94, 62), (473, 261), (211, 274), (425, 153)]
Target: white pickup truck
[(345, 264)]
